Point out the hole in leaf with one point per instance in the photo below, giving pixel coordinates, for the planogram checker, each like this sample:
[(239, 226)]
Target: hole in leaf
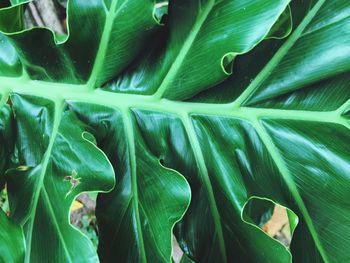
[(48, 14), (82, 216), (278, 226), (275, 220)]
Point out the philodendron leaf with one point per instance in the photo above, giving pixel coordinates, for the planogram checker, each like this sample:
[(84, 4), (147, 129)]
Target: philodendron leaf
[(183, 161)]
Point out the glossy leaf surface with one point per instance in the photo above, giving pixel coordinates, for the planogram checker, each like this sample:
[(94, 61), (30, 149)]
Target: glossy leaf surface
[(196, 119)]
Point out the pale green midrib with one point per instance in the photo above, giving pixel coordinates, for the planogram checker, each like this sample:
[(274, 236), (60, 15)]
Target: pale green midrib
[(224, 110), (207, 183), (183, 51), (101, 53), (63, 242), (267, 70), (57, 119), (129, 131), (119, 100), (274, 153)]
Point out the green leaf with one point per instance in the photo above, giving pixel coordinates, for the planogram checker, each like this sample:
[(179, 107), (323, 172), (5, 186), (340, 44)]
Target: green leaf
[(283, 81), (49, 174), (9, 62), (136, 219), (11, 239), (230, 28), (156, 104), (100, 25)]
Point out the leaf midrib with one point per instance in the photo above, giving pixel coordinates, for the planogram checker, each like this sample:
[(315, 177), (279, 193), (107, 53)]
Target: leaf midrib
[(129, 131), (284, 171), (59, 107), (127, 101), (104, 42), (310, 115), (264, 135), (279, 55), (183, 51), (207, 183), (249, 92), (71, 92)]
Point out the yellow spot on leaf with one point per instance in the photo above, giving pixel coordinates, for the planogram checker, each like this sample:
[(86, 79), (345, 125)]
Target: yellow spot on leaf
[(23, 168), (75, 206)]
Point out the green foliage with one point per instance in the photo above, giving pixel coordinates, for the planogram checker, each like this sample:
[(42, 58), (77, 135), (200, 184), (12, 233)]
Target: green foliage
[(185, 124)]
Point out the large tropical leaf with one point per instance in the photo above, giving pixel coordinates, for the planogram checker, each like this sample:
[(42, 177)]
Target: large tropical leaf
[(188, 143)]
